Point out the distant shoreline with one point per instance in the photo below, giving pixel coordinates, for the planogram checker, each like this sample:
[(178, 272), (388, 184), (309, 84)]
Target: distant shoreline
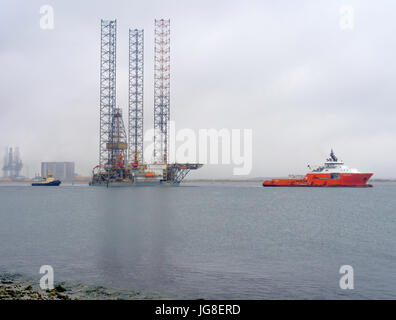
[(197, 181)]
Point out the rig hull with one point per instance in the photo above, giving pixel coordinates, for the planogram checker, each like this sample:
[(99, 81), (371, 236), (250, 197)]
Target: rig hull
[(142, 175), (116, 184)]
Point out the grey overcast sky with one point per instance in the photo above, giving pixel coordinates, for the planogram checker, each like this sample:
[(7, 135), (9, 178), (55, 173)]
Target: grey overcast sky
[(284, 69)]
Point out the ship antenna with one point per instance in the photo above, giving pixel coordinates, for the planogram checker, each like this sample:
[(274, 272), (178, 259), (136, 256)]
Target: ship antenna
[(332, 155)]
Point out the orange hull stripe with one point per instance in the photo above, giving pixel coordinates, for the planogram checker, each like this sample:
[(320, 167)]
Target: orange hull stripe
[(323, 179)]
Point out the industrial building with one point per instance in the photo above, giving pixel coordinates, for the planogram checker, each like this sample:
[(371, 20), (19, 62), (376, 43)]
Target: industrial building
[(59, 170)]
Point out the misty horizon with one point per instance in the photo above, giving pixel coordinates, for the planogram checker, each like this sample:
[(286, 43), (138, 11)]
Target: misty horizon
[(287, 71)]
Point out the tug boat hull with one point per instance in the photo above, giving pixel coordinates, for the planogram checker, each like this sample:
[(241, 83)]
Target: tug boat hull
[(47, 184)]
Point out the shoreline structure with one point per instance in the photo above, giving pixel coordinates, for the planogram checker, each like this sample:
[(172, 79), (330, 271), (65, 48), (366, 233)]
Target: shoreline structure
[(197, 181)]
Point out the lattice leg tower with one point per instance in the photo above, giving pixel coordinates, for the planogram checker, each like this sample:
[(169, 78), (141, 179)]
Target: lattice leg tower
[(107, 87), (161, 89), (135, 111), (118, 146)]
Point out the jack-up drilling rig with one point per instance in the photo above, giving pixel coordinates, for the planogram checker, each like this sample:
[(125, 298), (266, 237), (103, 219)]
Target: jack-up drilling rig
[(12, 164), (121, 161)]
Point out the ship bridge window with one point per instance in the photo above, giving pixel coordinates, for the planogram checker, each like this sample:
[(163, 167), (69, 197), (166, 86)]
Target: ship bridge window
[(335, 176)]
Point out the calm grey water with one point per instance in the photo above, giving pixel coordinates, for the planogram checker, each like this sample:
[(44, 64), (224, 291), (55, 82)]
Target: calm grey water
[(205, 241)]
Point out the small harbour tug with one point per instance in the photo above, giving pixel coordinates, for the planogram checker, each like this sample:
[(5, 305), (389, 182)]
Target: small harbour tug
[(49, 181), (332, 173)]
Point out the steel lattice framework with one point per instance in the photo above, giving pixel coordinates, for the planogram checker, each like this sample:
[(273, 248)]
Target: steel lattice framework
[(161, 89), (135, 111), (118, 145), (107, 88)]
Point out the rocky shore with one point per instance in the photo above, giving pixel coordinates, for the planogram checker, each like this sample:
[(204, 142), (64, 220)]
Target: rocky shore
[(11, 290), (18, 287)]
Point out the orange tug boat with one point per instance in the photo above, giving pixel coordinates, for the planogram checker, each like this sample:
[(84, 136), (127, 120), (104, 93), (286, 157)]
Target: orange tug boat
[(332, 174)]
